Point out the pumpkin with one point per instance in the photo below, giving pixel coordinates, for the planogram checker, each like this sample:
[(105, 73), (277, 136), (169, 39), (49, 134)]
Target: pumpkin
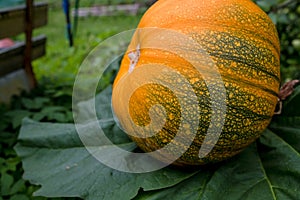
[(190, 62)]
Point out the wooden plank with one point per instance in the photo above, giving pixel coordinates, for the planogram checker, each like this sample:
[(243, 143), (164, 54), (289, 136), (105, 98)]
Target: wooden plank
[(28, 43), (108, 10), (12, 20), (12, 58)]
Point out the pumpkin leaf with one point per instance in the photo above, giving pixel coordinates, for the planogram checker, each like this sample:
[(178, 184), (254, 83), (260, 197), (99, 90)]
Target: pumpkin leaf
[(54, 157), (250, 175), (287, 125)]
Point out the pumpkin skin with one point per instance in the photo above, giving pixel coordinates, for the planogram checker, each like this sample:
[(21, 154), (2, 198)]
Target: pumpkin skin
[(241, 41)]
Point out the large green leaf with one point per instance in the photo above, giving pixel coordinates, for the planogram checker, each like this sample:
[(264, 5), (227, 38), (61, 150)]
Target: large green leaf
[(271, 173), (54, 157)]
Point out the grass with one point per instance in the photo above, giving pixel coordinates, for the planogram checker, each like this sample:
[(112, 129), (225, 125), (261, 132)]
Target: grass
[(51, 100), (61, 63)]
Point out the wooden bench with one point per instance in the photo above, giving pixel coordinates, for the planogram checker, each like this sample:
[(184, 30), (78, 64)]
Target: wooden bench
[(15, 21)]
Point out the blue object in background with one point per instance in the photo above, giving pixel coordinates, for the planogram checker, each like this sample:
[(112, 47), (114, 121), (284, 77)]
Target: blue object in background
[(66, 8)]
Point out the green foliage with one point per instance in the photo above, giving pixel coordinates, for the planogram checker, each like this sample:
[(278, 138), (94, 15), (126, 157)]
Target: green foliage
[(61, 63), (42, 104), (83, 3), (50, 159), (79, 172), (51, 102), (286, 16)]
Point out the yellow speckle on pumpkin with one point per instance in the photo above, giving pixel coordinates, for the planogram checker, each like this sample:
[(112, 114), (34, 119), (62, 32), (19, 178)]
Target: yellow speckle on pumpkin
[(186, 126), (248, 62), (194, 80), (247, 122), (234, 137), (233, 64), (237, 44), (171, 116), (165, 140)]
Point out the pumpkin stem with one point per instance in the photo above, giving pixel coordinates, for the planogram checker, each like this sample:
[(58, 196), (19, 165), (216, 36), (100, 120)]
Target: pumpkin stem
[(285, 91)]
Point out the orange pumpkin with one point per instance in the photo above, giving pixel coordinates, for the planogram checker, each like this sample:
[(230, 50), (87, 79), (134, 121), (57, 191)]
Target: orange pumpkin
[(234, 36)]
